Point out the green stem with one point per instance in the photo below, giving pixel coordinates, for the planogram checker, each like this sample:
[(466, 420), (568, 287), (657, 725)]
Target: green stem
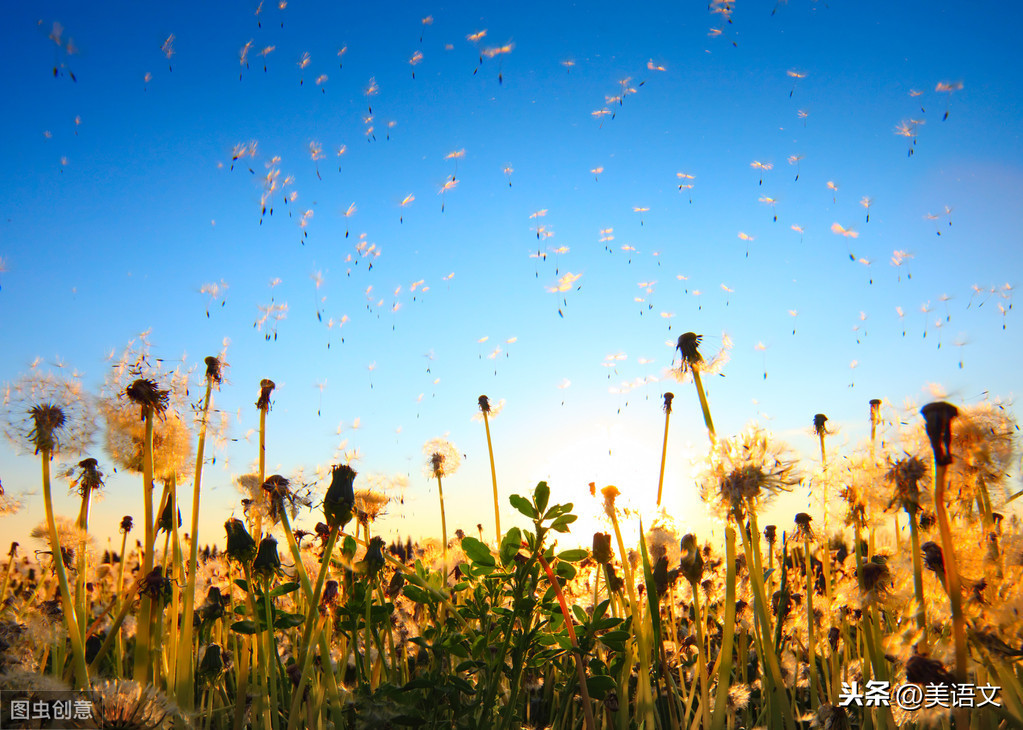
[(727, 640), (119, 656), (704, 406), (185, 682), (644, 700), (952, 583), (74, 632), (664, 452), (918, 579), (443, 522), (140, 670), (587, 705), (760, 604), (493, 478), (810, 621)]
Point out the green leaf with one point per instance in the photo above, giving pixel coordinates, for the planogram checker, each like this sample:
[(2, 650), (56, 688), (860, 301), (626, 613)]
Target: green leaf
[(289, 621), (563, 641), (244, 627), (242, 583), (541, 496), (561, 524), (478, 552), (510, 545), (573, 556), (522, 505), (580, 614), (284, 588), (601, 609), (599, 685), (565, 570), (415, 593)]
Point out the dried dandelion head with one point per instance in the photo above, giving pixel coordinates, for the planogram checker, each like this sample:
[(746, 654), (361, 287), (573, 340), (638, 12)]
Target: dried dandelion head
[(126, 704), (266, 387), (214, 370), (370, 504), (280, 497), (668, 398), (875, 580), (442, 458), (688, 348), (830, 717), (85, 477), (803, 529), (147, 394), (745, 471), (610, 494), (984, 442), (47, 413), (819, 428), (484, 403), (906, 475)]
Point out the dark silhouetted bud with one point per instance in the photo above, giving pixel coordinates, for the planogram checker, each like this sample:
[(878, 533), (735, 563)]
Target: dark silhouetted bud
[(691, 566), (818, 424), (339, 502), (374, 561), (240, 545), (268, 560), (212, 664), (668, 398), (924, 670), (329, 597), (602, 548), (771, 534), (938, 420)]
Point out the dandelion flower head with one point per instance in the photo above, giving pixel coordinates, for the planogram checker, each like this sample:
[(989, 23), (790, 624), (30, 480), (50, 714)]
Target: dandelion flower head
[(442, 458), (45, 412), (745, 470)]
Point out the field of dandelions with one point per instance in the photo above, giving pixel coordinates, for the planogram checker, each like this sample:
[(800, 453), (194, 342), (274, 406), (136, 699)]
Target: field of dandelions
[(908, 573)]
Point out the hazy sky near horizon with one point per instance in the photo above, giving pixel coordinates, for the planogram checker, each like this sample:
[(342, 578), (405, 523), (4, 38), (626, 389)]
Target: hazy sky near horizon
[(392, 209)]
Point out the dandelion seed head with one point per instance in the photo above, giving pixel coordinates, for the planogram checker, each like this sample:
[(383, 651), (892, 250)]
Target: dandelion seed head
[(46, 412), (442, 458)]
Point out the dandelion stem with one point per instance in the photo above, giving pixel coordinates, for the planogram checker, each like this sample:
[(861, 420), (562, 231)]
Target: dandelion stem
[(186, 670), (918, 580), (664, 453), (443, 521), (951, 581), (493, 478), (587, 705), (141, 667), (727, 639), (760, 605), (74, 632), (644, 701), (81, 611), (810, 622), (703, 405)]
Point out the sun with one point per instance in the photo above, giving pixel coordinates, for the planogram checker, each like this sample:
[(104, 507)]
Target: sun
[(605, 452)]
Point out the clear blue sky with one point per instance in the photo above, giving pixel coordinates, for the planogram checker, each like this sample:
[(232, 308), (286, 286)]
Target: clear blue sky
[(113, 224)]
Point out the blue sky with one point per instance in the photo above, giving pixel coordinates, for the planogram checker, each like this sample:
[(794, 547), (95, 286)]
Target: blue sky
[(114, 224)]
